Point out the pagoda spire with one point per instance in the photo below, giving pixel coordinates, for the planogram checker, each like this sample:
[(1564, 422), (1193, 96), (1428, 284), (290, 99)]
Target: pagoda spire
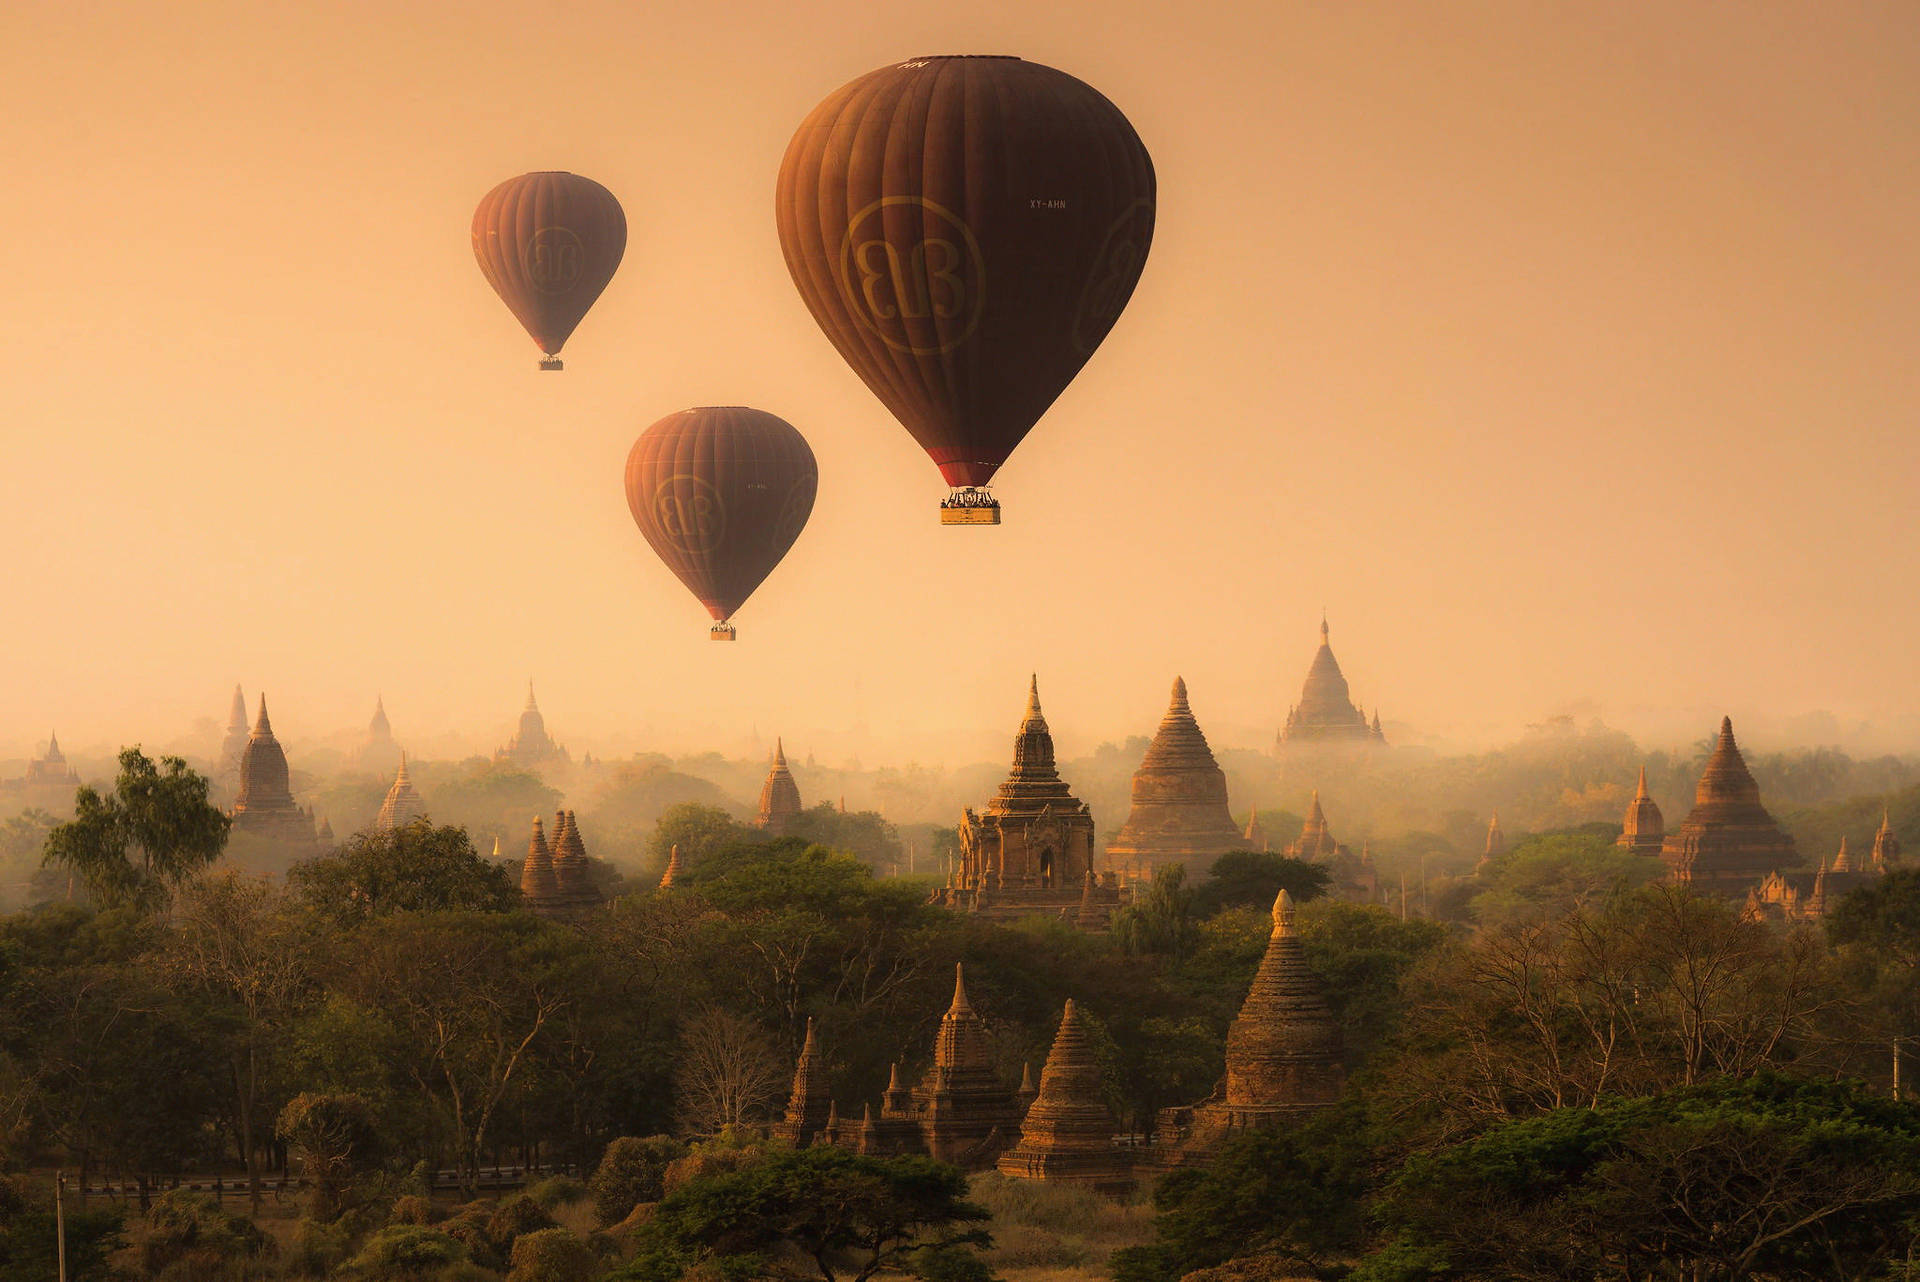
[(532, 705), (960, 1003), (675, 869), (263, 728), (1886, 846)]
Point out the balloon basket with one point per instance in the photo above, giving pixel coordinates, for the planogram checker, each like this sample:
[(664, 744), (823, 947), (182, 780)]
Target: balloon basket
[(969, 506), (721, 632), (552, 362)]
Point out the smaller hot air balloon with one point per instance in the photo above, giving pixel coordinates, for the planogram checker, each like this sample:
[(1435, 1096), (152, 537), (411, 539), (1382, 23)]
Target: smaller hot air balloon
[(721, 492), (548, 243)]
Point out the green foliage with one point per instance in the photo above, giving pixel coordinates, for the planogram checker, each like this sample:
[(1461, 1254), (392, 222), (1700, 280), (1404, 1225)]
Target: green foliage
[(557, 1191), (191, 1232), (864, 834), (1255, 878), (632, 1170), (135, 846), (701, 832), (493, 797), (329, 1133), (1162, 921), (853, 1215), (318, 1250), (416, 868), (516, 1217), (405, 1253), (1294, 1193), (22, 839), (1882, 916), (1559, 872), (553, 1255), (1773, 1176), (1361, 952), (29, 1248)]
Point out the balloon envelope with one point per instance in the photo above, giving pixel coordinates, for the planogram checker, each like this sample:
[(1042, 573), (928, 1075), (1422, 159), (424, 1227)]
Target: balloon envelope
[(966, 231), (548, 243), (721, 492)]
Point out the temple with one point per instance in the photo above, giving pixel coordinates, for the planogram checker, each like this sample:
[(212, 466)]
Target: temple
[(1066, 1136), (402, 805), (810, 1109), (531, 745), (779, 795), (1886, 846), (1804, 896), (377, 750), (265, 805), (234, 744), (1283, 1057), (675, 870), (539, 888), (1643, 831), (965, 1113), (578, 894), (1728, 841), (1496, 847), (50, 768), (1352, 879), (1179, 813), (1326, 713), (1031, 850), (1255, 836)]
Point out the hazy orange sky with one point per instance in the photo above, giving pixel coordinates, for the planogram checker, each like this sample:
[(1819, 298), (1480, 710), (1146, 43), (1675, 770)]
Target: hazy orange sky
[(1564, 353)]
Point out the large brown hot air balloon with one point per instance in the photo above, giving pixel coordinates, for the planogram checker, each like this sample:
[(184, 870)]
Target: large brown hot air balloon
[(966, 231), (548, 244), (721, 492)]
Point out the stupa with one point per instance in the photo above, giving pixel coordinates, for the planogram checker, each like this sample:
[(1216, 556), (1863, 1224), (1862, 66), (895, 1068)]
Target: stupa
[(1031, 850), (539, 888), (377, 750), (675, 869), (1283, 1056), (50, 768), (235, 742), (965, 1113), (1067, 1134), (810, 1107), (1179, 813), (1886, 846), (265, 805), (402, 804), (571, 873), (1496, 847), (1326, 713), (1643, 831), (779, 795), (531, 745), (1728, 840)]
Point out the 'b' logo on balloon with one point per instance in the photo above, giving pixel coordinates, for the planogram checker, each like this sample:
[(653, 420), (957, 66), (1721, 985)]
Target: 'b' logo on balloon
[(1116, 270), (689, 513), (911, 271), (554, 260)]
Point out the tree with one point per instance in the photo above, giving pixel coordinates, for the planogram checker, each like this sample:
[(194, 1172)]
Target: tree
[(728, 1075), (136, 845), (864, 834), (23, 838), (1163, 920), (1552, 874), (235, 941), (700, 832), (29, 1247), (1295, 1194), (416, 868), (1253, 878), (330, 1133), (1772, 1177), (552, 1255), (854, 1215), (632, 1171), (471, 993)]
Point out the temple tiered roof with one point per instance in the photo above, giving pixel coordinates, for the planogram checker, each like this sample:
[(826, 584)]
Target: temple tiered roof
[(966, 1114), (531, 744), (1179, 810), (810, 1110), (1283, 1049), (1643, 830), (235, 743), (779, 795), (1326, 712), (1067, 1133), (402, 804), (1886, 846), (265, 805), (675, 868), (1728, 840), (50, 769), (538, 885)]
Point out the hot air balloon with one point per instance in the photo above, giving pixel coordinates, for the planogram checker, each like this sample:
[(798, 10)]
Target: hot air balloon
[(966, 230), (548, 243), (721, 492)]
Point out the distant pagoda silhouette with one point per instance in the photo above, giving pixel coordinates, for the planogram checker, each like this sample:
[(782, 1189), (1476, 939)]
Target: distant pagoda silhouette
[(1326, 713), (1643, 831), (50, 768), (1180, 813), (779, 795), (265, 806), (1728, 841), (403, 803), (531, 745)]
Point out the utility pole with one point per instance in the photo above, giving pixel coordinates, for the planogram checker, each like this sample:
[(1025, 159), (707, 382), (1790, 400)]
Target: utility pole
[(1403, 894), (60, 1220)]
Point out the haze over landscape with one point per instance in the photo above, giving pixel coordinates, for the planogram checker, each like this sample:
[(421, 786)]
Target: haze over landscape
[(1563, 354)]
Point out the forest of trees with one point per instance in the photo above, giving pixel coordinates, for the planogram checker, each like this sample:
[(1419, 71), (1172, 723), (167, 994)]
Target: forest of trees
[(1584, 1073)]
